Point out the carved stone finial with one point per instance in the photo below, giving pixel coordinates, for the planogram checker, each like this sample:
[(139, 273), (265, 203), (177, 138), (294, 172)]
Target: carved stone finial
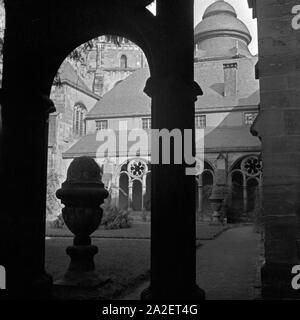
[(82, 194)]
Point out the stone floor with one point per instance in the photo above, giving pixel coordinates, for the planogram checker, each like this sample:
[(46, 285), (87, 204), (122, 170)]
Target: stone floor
[(227, 266)]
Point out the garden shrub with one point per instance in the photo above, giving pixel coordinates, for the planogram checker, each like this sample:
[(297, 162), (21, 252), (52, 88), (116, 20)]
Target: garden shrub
[(115, 218), (53, 206), (58, 223)]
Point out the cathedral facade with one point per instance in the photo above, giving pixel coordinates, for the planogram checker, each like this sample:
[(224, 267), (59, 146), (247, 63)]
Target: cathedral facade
[(114, 77)]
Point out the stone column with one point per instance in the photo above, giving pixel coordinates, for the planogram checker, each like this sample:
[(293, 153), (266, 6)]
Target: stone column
[(117, 191), (173, 205), (24, 180), (130, 193), (278, 127), (144, 190), (245, 195), (260, 191), (229, 184), (23, 151), (200, 194)]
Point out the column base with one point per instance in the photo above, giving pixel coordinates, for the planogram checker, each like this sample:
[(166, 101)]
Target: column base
[(276, 282), (81, 272), (190, 294), (82, 280)]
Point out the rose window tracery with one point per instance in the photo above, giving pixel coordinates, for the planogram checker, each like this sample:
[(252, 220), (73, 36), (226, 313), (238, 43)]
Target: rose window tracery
[(252, 166), (137, 168)]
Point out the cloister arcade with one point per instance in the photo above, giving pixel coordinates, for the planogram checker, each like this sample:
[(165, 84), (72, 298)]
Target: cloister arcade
[(44, 32)]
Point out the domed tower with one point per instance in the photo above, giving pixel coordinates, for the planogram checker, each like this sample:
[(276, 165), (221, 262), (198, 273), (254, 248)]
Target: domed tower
[(221, 34)]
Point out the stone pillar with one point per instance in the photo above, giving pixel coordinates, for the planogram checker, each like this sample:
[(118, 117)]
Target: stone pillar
[(116, 192), (173, 205), (218, 192), (144, 190), (278, 127), (260, 191), (23, 151), (24, 180), (229, 184), (130, 193), (245, 195), (200, 195)]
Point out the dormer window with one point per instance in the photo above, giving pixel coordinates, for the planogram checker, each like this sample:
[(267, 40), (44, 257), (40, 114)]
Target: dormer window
[(123, 61)]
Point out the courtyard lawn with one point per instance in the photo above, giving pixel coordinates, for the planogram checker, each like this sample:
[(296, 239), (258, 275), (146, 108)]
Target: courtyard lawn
[(204, 231), (125, 262), (123, 258)]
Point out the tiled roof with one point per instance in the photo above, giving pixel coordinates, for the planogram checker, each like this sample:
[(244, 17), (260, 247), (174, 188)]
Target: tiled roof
[(216, 139), (128, 98), (68, 75), (125, 99), (236, 138)]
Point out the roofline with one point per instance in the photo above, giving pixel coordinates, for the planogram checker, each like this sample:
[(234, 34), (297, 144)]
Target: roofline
[(197, 110), (128, 69), (67, 155), (242, 35), (79, 88), (211, 59), (228, 108), (127, 115)]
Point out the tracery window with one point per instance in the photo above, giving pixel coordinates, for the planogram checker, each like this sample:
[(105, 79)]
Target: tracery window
[(252, 166), (137, 168), (79, 119)]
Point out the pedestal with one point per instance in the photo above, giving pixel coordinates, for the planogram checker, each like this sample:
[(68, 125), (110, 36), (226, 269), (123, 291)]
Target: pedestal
[(81, 272)]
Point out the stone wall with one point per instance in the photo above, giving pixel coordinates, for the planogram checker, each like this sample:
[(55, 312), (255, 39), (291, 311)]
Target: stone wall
[(278, 127), (102, 68)]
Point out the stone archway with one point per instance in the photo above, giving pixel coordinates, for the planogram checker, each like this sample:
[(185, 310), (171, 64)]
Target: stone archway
[(123, 191), (244, 192), (47, 37), (204, 185), (137, 195), (38, 33), (134, 185)]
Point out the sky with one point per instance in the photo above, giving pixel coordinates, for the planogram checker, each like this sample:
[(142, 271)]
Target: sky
[(244, 13)]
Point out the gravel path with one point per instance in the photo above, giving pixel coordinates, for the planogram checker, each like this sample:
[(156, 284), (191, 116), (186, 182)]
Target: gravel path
[(226, 267)]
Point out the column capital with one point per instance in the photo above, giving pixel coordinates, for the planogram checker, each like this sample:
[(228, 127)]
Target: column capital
[(32, 103), (172, 84)]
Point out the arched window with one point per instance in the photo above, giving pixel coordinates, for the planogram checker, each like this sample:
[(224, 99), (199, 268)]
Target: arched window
[(123, 62), (79, 119)]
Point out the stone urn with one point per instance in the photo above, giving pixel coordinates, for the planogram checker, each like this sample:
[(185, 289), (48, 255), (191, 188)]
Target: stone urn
[(216, 199), (82, 194)]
